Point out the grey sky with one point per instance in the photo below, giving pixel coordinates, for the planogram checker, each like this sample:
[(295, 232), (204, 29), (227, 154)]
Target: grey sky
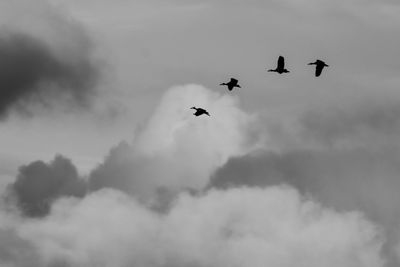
[(149, 46), (156, 59)]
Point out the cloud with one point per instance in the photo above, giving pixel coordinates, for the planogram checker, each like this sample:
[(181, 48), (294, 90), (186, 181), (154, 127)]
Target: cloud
[(346, 179), (346, 158), (175, 149), (39, 184), (45, 63), (239, 227), (15, 251)]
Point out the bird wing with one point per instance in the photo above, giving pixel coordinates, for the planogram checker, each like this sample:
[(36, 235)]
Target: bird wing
[(201, 111), (318, 69), (281, 62), (234, 81)]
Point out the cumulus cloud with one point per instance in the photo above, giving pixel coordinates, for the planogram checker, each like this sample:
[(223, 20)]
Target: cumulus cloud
[(45, 60), (352, 179), (238, 227), (177, 150), (346, 158), (174, 151), (39, 184)]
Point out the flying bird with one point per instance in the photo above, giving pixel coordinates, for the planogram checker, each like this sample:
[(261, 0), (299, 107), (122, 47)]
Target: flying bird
[(232, 84), (280, 68), (200, 111), (319, 65)]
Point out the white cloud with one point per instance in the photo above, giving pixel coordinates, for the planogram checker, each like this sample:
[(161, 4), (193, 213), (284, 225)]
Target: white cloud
[(177, 150), (196, 145), (239, 227)]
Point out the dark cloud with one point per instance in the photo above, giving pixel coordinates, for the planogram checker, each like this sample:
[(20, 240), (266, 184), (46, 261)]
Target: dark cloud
[(39, 184), (116, 171), (124, 170), (32, 73), (344, 178)]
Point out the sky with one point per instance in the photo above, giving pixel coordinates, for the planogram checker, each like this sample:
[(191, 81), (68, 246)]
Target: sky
[(103, 164)]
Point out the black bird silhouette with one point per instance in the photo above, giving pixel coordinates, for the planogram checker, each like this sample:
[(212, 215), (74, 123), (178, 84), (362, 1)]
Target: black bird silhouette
[(200, 111), (232, 84), (319, 65), (280, 68)]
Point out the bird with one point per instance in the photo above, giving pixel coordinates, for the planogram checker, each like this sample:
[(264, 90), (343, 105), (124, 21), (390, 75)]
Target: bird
[(319, 65), (280, 68), (200, 111), (232, 84)]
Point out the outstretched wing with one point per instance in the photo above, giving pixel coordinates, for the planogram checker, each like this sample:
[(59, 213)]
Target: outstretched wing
[(233, 81), (203, 111), (318, 69), (281, 62)]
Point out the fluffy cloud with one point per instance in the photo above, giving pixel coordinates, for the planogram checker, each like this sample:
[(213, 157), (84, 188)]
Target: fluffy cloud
[(240, 227), (347, 158), (177, 150), (38, 184), (174, 151)]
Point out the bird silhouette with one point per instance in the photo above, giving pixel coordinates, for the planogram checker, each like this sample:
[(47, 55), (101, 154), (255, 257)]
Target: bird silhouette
[(200, 111), (280, 68), (232, 84), (319, 65)]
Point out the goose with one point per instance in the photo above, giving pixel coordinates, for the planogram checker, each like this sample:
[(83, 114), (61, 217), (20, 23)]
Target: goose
[(232, 84), (200, 111), (280, 68), (319, 65)]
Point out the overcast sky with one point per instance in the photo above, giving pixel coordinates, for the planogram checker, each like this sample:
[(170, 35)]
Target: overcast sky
[(145, 47), (94, 116)]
